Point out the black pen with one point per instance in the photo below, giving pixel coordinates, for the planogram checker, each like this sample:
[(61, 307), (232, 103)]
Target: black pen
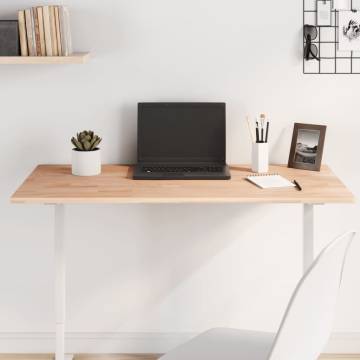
[(297, 185), (257, 133)]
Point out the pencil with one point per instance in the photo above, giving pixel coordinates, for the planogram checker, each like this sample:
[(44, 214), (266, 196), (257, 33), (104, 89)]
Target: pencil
[(262, 120), (250, 131)]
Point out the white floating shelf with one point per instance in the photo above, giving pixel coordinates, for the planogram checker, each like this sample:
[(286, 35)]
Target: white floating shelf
[(75, 58)]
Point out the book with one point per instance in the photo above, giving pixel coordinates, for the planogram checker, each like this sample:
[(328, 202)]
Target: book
[(66, 42), (57, 23), (53, 31), (34, 15), (33, 30), (41, 31), (22, 33), (47, 31), (9, 38), (269, 181), (30, 32)]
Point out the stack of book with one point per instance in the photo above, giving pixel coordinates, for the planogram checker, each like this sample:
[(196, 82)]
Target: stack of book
[(45, 31)]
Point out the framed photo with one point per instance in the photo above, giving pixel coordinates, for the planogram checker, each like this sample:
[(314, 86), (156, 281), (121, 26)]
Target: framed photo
[(307, 147)]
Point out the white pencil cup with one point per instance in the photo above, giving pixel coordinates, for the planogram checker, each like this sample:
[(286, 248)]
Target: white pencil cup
[(260, 157)]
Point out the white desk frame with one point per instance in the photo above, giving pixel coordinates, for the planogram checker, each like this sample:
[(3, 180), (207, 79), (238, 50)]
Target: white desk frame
[(60, 267)]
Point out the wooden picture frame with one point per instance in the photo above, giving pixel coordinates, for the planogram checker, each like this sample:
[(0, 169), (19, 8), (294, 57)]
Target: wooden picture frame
[(307, 147)]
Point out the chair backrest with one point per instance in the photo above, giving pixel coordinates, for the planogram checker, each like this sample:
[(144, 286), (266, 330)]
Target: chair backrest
[(307, 323)]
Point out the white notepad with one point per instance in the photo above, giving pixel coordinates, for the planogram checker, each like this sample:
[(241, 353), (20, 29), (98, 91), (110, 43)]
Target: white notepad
[(270, 181)]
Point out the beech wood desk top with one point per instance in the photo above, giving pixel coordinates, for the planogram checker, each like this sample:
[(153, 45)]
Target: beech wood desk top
[(54, 184)]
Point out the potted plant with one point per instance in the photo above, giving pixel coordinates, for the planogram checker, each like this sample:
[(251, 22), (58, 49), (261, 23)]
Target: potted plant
[(86, 156)]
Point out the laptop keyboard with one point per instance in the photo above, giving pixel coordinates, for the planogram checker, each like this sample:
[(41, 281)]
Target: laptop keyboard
[(182, 169)]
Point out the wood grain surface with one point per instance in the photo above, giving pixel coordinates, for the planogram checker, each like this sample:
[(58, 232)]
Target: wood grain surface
[(76, 58), (54, 184)]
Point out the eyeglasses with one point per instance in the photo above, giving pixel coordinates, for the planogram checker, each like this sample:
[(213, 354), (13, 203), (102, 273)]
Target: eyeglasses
[(310, 50)]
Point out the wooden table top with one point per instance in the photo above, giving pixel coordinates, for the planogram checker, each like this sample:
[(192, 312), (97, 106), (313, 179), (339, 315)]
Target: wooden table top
[(54, 184)]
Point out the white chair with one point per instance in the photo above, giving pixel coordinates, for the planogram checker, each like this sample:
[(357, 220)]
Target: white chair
[(304, 330)]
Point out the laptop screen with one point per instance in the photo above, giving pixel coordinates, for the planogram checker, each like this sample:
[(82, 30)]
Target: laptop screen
[(182, 132)]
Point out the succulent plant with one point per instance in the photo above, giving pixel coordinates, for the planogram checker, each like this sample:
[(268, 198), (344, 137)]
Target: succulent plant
[(86, 141)]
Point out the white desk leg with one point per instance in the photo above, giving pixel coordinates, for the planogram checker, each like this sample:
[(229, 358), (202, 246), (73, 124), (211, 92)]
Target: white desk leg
[(59, 282), (308, 236)]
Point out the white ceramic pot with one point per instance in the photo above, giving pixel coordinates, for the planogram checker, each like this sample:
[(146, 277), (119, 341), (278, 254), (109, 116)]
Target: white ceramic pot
[(260, 158), (86, 163)]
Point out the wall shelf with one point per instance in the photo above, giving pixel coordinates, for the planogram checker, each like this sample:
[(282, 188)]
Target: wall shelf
[(75, 58)]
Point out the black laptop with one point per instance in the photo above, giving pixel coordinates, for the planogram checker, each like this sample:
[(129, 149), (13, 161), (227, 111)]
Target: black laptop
[(184, 141)]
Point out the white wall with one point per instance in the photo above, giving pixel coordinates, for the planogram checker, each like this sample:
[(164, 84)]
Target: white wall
[(169, 268)]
